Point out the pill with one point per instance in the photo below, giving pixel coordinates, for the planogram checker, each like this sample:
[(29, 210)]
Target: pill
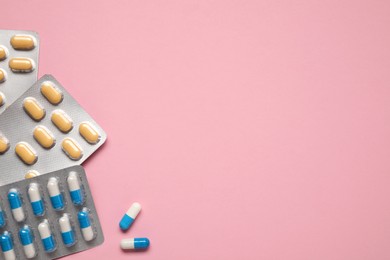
[(66, 231), (27, 241), (85, 225), (3, 53), (135, 243), (4, 144), (23, 42), (88, 132), (34, 109), (2, 218), (72, 149), (51, 93), (15, 203), (44, 137), (130, 216), (62, 121), (31, 174), (75, 191), (2, 99), (26, 153), (7, 246), (21, 65), (56, 198), (49, 244), (3, 75), (36, 199)]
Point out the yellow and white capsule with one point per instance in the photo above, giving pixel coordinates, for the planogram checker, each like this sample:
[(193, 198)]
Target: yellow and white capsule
[(62, 121), (44, 137), (31, 174), (23, 42), (34, 109), (26, 153), (51, 93)]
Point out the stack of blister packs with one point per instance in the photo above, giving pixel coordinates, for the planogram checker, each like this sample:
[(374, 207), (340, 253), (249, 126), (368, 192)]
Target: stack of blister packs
[(46, 207)]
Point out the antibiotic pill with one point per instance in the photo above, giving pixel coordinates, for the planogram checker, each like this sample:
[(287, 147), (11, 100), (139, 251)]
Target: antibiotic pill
[(26, 153), (51, 93), (72, 149), (130, 216), (7, 246), (4, 144), (56, 198), (23, 42), (62, 121), (36, 199), (85, 225), (3, 75), (15, 203), (3, 53), (89, 133), (135, 243), (66, 231), (75, 191), (21, 65), (2, 218), (27, 241), (49, 244), (31, 174), (34, 109), (2, 99), (44, 137)]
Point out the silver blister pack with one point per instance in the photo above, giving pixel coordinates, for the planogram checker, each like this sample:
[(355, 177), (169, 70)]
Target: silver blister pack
[(36, 227), (45, 130), (19, 51)]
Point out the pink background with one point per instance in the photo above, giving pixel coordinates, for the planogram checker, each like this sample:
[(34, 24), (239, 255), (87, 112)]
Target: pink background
[(246, 129)]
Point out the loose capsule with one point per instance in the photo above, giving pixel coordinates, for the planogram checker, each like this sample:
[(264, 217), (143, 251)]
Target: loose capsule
[(72, 149), (23, 42), (75, 191), (49, 244), (4, 144), (27, 241), (56, 198), (3, 75), (88, 132), (21, 65), (15, 203), (2, 218), (7, 246), (3, 53), (85, 225), (66, 231), (130, 216), (26, 153), (51, 93), (36, 199), (34, 109), (135, 243), (31, 174), (44, 137), (62, 121)]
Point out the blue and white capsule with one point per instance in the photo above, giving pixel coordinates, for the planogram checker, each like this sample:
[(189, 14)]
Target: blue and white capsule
[(27, 240), (49, 244), (85, 224), (16, 205), (130, 216), (57, 201), (135, 243), (76, 194), (66, 231), (36, 199), (2, 218), (7, 246)]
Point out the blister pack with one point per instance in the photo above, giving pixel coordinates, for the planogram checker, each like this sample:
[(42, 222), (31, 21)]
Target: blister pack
[(19, 52), (48, 216), (45, 130)]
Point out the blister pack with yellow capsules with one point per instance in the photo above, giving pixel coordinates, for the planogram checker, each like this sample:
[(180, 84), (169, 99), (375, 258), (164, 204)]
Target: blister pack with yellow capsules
[(45, 130), (49, 216), (19, 52)]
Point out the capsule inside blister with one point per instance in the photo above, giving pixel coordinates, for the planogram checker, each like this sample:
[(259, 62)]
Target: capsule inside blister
[(48, 242), (56, 198), (3, 53), (76, 193), (36, 201), (62, 121), (34, 109), (72, 149), (67, 233), (26, 153), (2, 217), (3, 75), (86, 224), (51, 93), (4, 144), (16, 205), (21, 65), (23, 42), (27, 240), (44, 137), (89, 133), (31, 174), (7, 246)]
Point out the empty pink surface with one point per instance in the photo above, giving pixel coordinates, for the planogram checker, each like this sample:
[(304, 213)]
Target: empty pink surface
[(246, 129)]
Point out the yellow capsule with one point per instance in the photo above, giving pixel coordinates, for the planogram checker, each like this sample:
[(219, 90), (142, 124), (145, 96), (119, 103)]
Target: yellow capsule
[(62, 121), (44, 137), (2, 75), (72, 149), (51, 93), (23, 42), (26, 153), (3, 53), (21, 65), (2, 99), (31, 174), (34, 109), (88, 132), (4, 144)]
